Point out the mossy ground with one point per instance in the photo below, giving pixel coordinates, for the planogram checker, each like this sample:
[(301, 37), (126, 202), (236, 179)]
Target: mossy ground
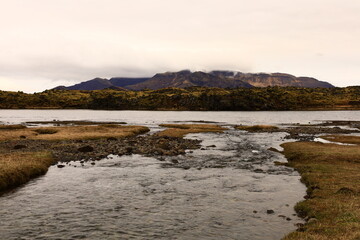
[(256, 128), (331, 173), (343, 139), (180, 130)]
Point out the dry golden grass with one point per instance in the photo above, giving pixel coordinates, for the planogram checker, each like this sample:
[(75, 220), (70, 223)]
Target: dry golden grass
[(74, 132), (256, 128), (332, 175), (343, 139), (180, 130), (18, 168), (12, 127)]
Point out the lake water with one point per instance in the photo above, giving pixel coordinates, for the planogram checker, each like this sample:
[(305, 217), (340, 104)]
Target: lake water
[(135, 197)]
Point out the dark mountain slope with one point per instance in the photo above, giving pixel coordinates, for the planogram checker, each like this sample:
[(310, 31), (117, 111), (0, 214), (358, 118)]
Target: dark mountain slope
[(184, 79), (123, 82), (95, 84)]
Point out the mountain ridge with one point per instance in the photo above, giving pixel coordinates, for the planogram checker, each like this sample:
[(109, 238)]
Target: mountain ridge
[(186, 78)]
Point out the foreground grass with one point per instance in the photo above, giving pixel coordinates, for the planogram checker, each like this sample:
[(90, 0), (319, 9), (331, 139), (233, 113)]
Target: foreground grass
[(180, 130), (19, 168), (256, 128), (332, 175), (73, 132)]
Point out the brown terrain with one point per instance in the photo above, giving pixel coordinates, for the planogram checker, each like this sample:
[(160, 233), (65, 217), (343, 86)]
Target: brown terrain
[(186, 78)]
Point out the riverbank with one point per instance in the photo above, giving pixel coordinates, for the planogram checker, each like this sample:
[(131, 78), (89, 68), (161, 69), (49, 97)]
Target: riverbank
[(18, 168), (331, 173), (26, 153)]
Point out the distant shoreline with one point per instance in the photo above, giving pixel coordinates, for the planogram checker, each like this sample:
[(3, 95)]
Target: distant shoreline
[(190, 99)]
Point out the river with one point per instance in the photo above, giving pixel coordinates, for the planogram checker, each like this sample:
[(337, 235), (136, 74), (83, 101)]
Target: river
[(136, 197)]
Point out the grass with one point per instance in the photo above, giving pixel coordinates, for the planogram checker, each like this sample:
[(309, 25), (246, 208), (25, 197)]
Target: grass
[(180, 130), (73, 122), (256, 128), (331, 173), (73, 132), (342, 139), (46, 131), (19, 168), (12, 127)]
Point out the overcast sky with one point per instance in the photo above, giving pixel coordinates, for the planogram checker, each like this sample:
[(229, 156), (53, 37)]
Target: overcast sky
[(46, 43)]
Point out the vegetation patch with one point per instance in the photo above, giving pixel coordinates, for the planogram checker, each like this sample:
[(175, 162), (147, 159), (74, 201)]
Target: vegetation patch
[(73, 132), (19, 168), (343, 139), (180, 130), (331, 173), (193, 98), (257, 128), (12, 127), (59, 123), (46, 131)]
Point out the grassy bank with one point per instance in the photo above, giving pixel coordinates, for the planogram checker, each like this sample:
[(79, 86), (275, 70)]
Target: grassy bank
[(343, 139), (19, 168), (180, 130), (332, 174), (73, 132)]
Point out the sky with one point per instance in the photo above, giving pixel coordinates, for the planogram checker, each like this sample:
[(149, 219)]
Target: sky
[(46, 43)]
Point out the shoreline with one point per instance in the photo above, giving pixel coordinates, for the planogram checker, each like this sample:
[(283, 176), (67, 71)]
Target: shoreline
[(330, 173)]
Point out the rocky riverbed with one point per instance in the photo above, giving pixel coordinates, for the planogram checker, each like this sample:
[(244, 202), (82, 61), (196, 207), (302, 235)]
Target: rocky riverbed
[(87, 150)]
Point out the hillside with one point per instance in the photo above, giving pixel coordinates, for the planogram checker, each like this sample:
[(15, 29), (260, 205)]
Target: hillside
[(281, 79), (192, 98), (184, 79)]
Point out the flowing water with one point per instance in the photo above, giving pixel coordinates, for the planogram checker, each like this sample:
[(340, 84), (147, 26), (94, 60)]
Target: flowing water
[(225, 194)]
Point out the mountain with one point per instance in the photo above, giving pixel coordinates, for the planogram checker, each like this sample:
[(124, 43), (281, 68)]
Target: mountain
[(184, 79), (94, 84), (281, 79), (123, 82)]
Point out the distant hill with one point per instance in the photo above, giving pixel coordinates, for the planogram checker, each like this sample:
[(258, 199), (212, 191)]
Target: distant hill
[(184, 79), (94, 84)]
